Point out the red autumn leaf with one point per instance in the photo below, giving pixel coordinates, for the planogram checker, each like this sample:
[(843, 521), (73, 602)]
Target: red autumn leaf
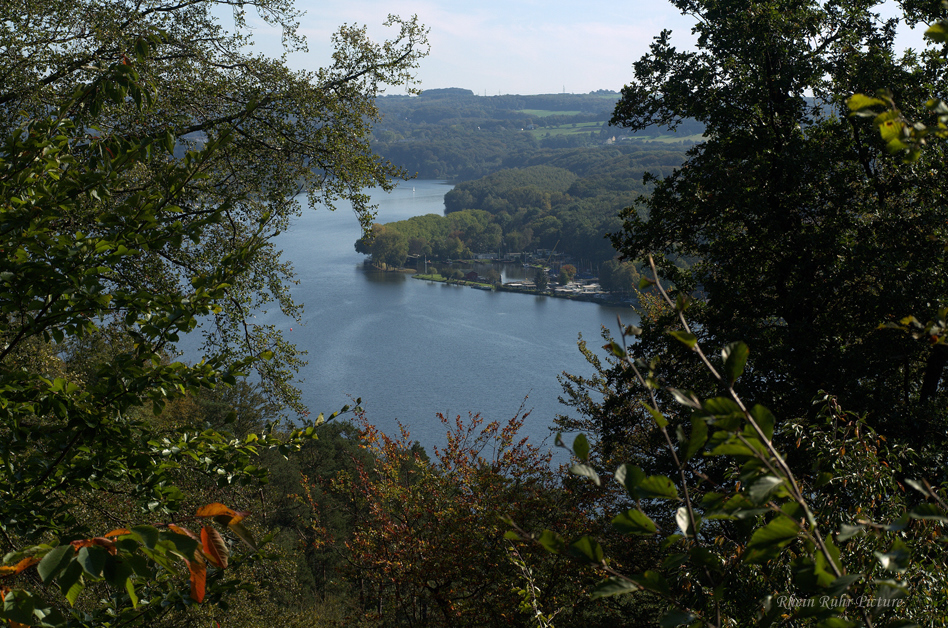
[(214, 547), (198, 577), (80, 543), (117, 532)]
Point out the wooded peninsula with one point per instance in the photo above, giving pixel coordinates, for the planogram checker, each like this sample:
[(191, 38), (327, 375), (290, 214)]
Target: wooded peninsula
[(532, 173)]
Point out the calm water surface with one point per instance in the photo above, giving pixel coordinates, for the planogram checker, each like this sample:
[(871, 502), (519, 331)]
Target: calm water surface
[(411, 348)]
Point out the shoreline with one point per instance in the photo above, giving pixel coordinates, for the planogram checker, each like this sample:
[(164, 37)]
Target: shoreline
[(608, 302)]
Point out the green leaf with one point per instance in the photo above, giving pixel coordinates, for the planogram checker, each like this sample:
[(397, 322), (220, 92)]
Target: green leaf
[(581, 447), (629, 476), (699, 436), (842, 584), (613, 586), (616, 349), (858, 102), (685, 398), (684, 522), (689, 340), (652, 581), (18, 606), (70, 582), (763, 487), (551, 541), (675, 617), (634, 522), (54, 562), (117, 571), (656, 415), (766, 540), (765, 420), (733, 446), (928, 511), (586, 548), (937, 32), (92, 560), (132, 595), (183, 545), (243, 534), (585, 471), (147, 534), (896, 559), (847, 531), (704, 557), (657, 486), (735, 358)]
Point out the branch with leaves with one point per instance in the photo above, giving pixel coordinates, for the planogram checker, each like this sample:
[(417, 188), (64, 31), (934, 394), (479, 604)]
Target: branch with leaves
[(759, 533)]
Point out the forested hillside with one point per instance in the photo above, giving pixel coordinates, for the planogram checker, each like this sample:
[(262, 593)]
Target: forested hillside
[(766, 445), (457, 135), (571, 202)]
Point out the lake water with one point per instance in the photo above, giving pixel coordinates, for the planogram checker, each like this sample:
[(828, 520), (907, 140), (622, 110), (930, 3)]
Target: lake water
[(411, 348)]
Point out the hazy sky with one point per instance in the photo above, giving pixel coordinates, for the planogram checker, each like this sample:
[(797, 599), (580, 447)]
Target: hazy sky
[(508, 46)]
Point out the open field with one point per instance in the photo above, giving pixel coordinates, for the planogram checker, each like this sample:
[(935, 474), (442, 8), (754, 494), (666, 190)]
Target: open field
[(566, 129), (670, 139), (543, 113)]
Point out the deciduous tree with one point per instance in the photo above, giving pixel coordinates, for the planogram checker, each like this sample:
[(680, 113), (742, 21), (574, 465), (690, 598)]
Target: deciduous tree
[(145, 162), (806, 235), (429, 545), (289, 133)]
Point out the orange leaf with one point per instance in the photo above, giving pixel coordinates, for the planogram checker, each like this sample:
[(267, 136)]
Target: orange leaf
[(182, 531), (108, 544), (26, 563), (198, 578), (117, 532), (221, 513), (214, 547), (79, 544), (212, 510)]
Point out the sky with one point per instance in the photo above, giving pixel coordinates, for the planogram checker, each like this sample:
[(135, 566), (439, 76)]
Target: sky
[(506, 46)]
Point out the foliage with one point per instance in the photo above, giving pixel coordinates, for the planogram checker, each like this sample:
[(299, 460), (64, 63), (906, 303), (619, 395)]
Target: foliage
[(122, 558), (288, 133), (763, 545), (541, 280), (566, 199), (903, 134), (428, 548), (454, 236), (618, 277), (805, 235), (134, 204)]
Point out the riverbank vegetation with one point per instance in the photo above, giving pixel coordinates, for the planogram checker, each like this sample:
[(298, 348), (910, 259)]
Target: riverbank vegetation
[(568, 204), (767, 446)]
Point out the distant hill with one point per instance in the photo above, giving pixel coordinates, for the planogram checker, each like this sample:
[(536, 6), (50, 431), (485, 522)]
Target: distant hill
[(455, 134)]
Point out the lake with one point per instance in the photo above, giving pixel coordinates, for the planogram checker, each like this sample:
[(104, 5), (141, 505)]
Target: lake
[(412, 348)]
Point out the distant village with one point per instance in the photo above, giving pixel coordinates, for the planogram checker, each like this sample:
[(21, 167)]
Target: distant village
[(582, 285)]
